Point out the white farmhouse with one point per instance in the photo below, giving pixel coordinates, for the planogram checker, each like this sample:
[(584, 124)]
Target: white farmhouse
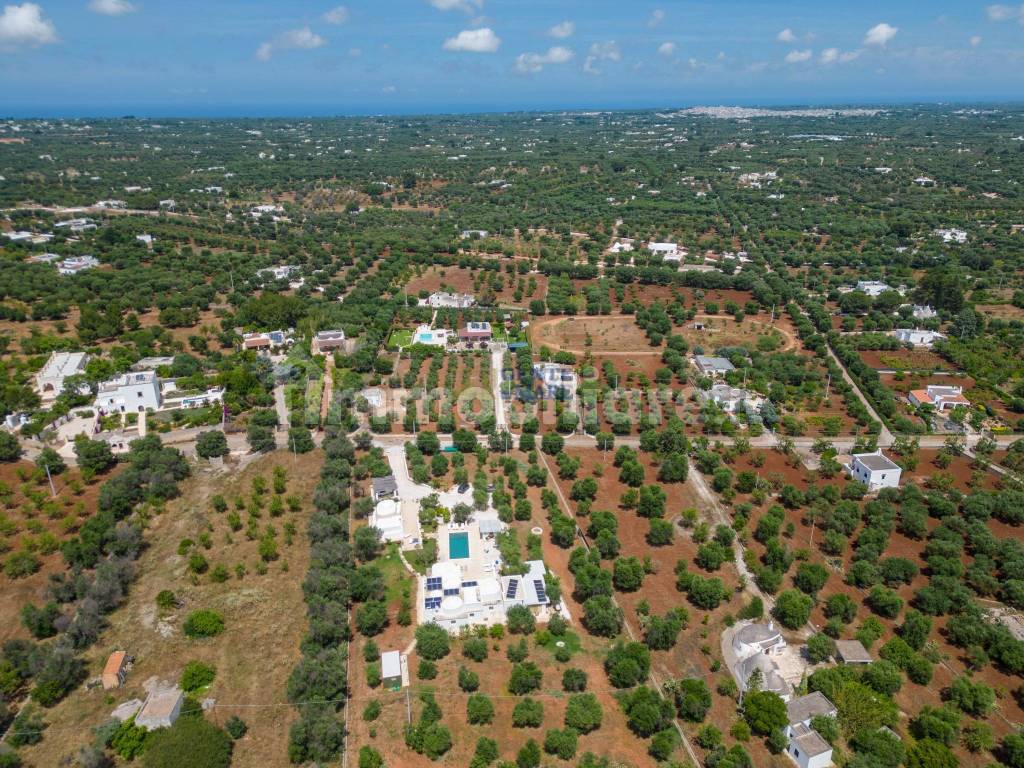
[(756, 647), (957, 236), (161, 710), (442, 299), (50, 379), (132, 392), (667, 251), (806, 747), (730, 399), (918, 337), (875, 470), (940, 397), (923, 312), (75, 264), (872, 288)]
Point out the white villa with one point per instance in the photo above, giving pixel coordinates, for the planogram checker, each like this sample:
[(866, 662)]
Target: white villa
[(875, 470), (713, 366), (467, 234), (77, 226), (453, 600), (951, 235), (918, 337), (731, 399), (806, 747), (621, 246), (555, 379), (923, 312), (50, 379), (141, 391), (434, 337), (667, 251), (872, 288), (130, 392), (756, 648), (441, 299), (387, 518), (940, 397), (75, 264)]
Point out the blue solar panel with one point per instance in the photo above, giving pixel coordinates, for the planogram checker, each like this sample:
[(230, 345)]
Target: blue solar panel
[(513, 586), (538, 584), (432, 603), (469, 583), (453, 591), (433, 582)]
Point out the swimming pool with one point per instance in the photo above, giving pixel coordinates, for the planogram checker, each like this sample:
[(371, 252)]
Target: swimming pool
[(458, 546)]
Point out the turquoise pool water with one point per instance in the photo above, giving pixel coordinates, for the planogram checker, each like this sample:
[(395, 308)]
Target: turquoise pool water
[(458, 546)]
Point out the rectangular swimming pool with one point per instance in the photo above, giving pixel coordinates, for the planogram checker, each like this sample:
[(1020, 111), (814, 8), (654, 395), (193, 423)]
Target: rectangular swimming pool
[(458, 545)]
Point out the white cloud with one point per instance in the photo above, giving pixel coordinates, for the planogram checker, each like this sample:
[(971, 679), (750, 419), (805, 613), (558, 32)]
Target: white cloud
[(469, 6), (481, 40), (562, 30), (337, 15), (667, 49), (657, 16), (24, 25), (975, 41), (786, 36), (607, 51), (531, 63), (836, 56), (388, 89), (798, 57), (111, 7), (880, 34), (303, 39), (1005, 13)]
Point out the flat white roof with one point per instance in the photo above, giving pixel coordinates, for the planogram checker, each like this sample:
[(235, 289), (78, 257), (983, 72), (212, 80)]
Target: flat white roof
[(391, 664)]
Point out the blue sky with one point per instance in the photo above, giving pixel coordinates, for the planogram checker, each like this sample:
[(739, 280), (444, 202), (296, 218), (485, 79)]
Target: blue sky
[(229, 57)]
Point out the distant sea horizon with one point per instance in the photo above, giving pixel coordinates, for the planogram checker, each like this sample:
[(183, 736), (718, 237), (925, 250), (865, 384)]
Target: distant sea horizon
[(291, 111)]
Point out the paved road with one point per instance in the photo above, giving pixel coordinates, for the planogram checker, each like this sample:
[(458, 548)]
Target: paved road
[(497, 366)]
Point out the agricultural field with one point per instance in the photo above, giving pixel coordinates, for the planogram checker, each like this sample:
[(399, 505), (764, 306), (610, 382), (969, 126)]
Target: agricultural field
[(203, 557)]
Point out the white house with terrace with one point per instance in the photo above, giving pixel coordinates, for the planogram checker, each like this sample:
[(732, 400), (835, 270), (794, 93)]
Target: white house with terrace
[(875, 470), (806, 746)]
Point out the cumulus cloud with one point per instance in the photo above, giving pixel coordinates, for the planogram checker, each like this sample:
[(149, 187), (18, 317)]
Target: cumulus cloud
[(836, 56), (562, 30), (606, 51), (657, 16), (111, 7), (24, 25), (337, 15), (1005, 13), (481, 40), (667, 49), (532, 63), (786, 36), (469, 6), (303, 39), (880, 34), (798, 57)]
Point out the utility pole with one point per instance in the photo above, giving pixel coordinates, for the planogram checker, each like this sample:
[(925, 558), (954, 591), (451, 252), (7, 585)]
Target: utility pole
[(49, 477)]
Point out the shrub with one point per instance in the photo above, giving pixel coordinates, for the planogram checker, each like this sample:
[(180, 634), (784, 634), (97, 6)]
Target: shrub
[(475, 648), (528, 713), (203, 624), (370, 757), (197, 675), (583, 712), (525, 677), (236, 727), (191, 742), (432, 642), (561, 743), (574, 680), (468, 681), (520, 620), (479, 709)]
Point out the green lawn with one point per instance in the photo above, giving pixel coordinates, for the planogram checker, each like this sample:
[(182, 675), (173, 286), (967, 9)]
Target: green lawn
[(399, 338)]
